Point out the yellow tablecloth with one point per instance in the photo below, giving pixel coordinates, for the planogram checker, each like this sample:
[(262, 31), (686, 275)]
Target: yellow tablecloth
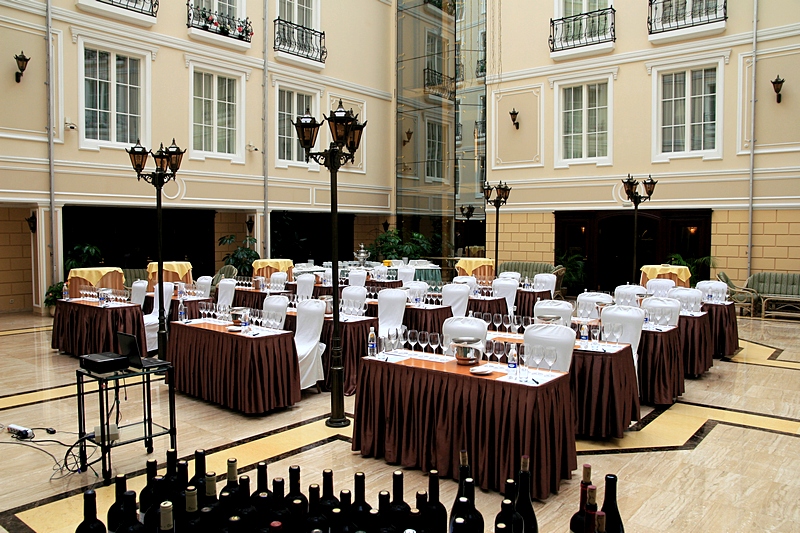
[(181, 268), (281, 265), (468, 264), (677, 273), (94, 274)]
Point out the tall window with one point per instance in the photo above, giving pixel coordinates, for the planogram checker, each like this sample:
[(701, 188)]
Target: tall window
[(434, 51), (223, 7), (584, 27), (291, 104), (214, 113), (688, 110), (298, 11), (584, 121), (112, 96), (434, 165)]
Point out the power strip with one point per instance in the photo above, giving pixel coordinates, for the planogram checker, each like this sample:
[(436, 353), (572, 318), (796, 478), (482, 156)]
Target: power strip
[(111, 436), (20, 432)]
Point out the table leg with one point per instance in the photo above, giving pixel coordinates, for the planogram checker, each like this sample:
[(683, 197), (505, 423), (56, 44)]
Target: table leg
[(81, 424), (173, 432), (105, 449), (148, 417)]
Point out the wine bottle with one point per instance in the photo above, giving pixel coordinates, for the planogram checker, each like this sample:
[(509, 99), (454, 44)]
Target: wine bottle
[(590, 518), (434, 513), (415, 522), (399, 508), (130, 521), (459, 525), (114, 515), (474, 517), (210, 493), (524, 504), (279, 508), (612, 516), (232, 485), (298, 510), (275, 525), (146, 494), (294, 487), (459, 512), (359, 511), (190, 510), (198, 480), (234, 524), (420, 500), (316, 518), (510, 517), (576, 523), (151, 518), (171, 475), (385, 523), (178, 499), (245, 509), (262, 481), (225, 509), (90, 523), (339, 523), (463, 473), (500, 528), (328, 500), (167, 524), (373, 521), (601, 522)]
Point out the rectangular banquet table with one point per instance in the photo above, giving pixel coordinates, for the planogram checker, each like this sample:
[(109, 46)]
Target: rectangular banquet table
[(527, 298), (191, 305), (82, 326), (174, 271), (354, 333), (252, 298), (105, 277), (677, 273), (660, 366), (697, 344), (252, 375), (724, 328), (475, 266), (420, 414), (487, 304), (426, 317), (267, 267)]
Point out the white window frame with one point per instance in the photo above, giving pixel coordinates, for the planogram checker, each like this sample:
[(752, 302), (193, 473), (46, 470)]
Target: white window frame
[(443, 142), (315, 25), (316, 99), (435, 62), (656, 70), (145, 58), (558, 84), (240, 75)]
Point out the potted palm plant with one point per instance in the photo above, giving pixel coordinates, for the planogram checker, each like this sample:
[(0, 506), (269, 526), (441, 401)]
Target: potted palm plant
[(52, 295)]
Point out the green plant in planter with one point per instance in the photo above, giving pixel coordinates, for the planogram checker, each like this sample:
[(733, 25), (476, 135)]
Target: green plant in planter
[(574, 263), (693, 264), (82, 256), (243, 256), (53, 294), (391, 245)]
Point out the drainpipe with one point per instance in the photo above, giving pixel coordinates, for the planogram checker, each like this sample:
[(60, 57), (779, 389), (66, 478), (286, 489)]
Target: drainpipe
[(51, 167), (752, 144), (264, 132)]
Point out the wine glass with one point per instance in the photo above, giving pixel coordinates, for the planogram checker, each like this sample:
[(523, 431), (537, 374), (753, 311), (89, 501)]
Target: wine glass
[(413, 337), (550, 356), (537, 354), (595, 331), (516, 323), (507, 322), (489, 351), (657, 313), (608, 331), (422, 338), (522, 360), (446, 344), (433, 340), (498, 319), (617, 332), (401, 337), (487, 317)]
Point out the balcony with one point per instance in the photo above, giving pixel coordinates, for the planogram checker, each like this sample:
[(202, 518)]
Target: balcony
[(583, 30), (458, 132), (438, 84), (459, 71), (671, 20), (299, 41), (480, 129), (139, 12), (444, 5), (145, 7), (480, 68), (216, 23)]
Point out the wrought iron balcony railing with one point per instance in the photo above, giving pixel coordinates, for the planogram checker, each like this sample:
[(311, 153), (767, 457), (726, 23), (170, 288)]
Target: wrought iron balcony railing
[(459, 71), (668, 15), (480, 129), (480, 68), (439, 84), (145, 7), (459, 129), (445, 5), (300, 41), (582, 30), (219, 23)]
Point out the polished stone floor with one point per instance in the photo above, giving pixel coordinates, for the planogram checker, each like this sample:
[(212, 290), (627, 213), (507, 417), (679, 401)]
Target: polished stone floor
[(722, 459)]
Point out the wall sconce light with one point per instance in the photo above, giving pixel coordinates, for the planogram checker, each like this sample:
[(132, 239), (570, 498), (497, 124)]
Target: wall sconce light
[(385, 226), (407, 140), (250, 225), (692, 229), (251, 147), (514, 114), (777, 84), (31, 220), (22, 64)]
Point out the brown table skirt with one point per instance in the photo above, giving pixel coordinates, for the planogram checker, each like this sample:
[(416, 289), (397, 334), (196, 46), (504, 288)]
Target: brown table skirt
[(526, 300), (724, 328), (660, 367), (83, 328), (697, 345)]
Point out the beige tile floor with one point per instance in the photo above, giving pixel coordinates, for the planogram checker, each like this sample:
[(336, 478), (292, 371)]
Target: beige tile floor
[(724, 459)]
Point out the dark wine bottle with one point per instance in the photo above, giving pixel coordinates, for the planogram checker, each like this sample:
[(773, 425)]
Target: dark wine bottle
[(339, 523), (245, 509), (90, 523), (328, 500), (415, 522), (359, 511), (171, 475), (420, 500), (234, 524), (130, 519), (510, 517), (590, 518), (225, 509), (198, 480), (151, 518), (601, 522), (165, 515), (464, 472), (399, 508), (613, 518), (459, 512), (474, 517), (434, 513), (576, 523), (190, 510), (279, 508), (294, 487), (146, 494), (298, 510), (316, 518), (501, 528), (385, 513), (262, 480), (373, 520), (178, 499), (275, 525), (232, 485), (114, 515), (210, 493), (524, 505), (460, 526)]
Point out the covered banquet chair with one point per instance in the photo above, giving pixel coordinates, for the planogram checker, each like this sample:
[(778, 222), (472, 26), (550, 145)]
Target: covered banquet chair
[(632, 320), (691, 299), (463, 326), (203, 285), (139, 291), (561, 308), (225, 291), (305, 286), (391, 308), (357, 294), (277, 281), (628, 294), (562, 338), (513, 275), (470, 281), (357, 278), (545, 282), (277, 304), (506, 288), (151, 319), (592, 299), (406, 275), (310, 317), (660, 286), (718, 290), (671, 308), (456, 295)]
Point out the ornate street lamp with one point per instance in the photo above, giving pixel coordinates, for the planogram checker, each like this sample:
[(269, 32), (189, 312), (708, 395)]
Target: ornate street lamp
[(501, 197), (632, 191), (346, 137), (168, 162)]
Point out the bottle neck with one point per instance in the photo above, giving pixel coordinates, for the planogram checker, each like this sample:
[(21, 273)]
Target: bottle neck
[(397, 488), (262, 481), (89, 505), (120, 487), (433, 488), (278, 488), (359, 489), (327, 484), (294, 479), (199, 464)]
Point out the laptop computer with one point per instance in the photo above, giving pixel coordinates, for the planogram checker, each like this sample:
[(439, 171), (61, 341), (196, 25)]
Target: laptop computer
[(129, 348)]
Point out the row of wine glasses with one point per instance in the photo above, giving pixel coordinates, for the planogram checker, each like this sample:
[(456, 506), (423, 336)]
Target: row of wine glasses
[(218, 312), (352, 307), (657, 316)]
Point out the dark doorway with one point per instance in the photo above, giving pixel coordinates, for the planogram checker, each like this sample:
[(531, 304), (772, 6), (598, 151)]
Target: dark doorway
[(301, 236), (615, 247), (126, 236)]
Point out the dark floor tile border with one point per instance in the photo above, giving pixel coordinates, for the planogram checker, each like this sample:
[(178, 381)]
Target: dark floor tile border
[(652, 415), (25, 331), (742, 411), (690, 444), (775, 353), (727, 359)]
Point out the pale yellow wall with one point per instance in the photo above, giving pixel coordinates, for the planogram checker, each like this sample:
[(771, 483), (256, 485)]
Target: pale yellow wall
[(16, 293), (523, 236)]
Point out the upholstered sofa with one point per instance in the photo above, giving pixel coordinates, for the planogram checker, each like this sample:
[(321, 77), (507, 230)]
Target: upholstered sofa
[(531, 268), (779, 292), (133, 274)]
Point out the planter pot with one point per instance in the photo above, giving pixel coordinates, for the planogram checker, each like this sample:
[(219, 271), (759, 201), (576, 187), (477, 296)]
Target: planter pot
[(52, 310)]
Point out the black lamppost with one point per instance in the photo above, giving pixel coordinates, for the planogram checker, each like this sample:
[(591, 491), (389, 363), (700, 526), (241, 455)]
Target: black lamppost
[(632, 190), (467, 210), (501, 197), (346, 134), (168, 161)]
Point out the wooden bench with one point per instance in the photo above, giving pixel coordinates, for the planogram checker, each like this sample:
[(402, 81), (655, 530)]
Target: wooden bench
[(779, 292)]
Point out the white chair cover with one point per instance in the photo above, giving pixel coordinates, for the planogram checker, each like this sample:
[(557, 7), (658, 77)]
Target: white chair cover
[(391, 308), (691, 299), (507, 288), (659, 287), (380, 272), (203, 285), (632, 320), (277, 281), (226, 288), (626, 294), (397, 263), (139, 291), (561, 308), (671, 304), (544, 282), (357, 278), (406, 275), (151, 319), (456, 295), (416, 289), (305, 285), (562, 338), (463, 326), (512, 275), (277, 304), (356, 293), (717, 289), (310, 317), (594, 298), (472, 281)]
